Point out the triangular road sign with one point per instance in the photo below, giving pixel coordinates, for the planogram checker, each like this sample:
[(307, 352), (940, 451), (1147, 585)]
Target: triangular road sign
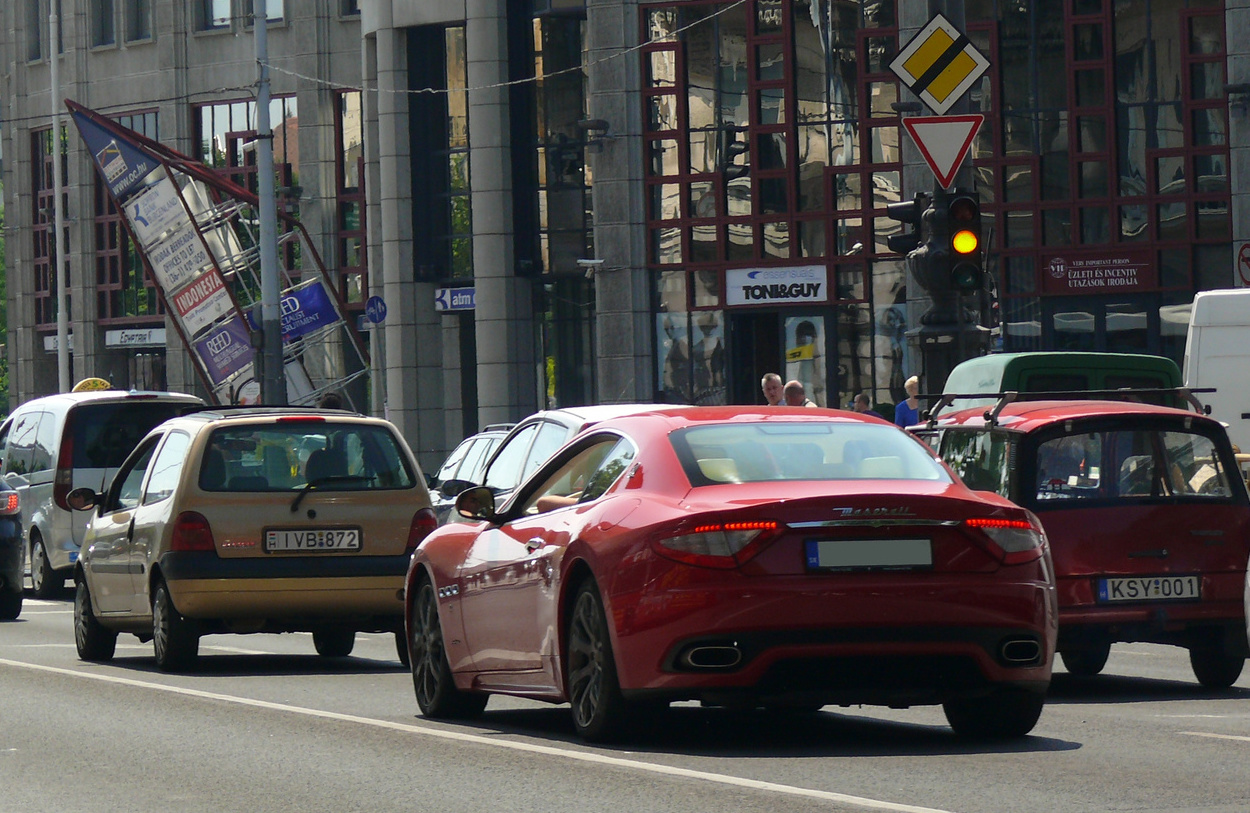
[(944, 141)]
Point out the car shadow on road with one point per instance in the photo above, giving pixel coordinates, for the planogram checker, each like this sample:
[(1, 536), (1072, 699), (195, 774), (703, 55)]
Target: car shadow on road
[(264, 664), (1074, 690), (715, 732)]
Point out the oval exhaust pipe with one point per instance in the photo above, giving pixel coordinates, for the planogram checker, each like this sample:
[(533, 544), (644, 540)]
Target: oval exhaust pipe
[(712, 657), (1020, 651)]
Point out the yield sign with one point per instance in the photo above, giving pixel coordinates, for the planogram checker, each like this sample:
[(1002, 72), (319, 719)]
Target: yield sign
[(944, 141)]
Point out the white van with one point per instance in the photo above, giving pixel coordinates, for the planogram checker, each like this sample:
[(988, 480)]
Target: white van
[(52, 445), (1217, 354)]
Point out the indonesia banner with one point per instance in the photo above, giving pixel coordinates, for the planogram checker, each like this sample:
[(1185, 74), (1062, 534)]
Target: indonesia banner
[(202, 302)]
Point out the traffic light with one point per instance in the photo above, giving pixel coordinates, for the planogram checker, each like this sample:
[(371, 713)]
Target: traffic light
[(731, 148), (963, 223), (909, 212)]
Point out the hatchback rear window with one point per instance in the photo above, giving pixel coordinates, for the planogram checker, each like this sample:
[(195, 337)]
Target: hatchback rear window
[(290, 456), (104, 434), (742, 453), (1131, 465)]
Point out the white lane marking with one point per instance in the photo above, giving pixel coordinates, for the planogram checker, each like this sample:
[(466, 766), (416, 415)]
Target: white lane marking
[(477, 739), (1216, 736)]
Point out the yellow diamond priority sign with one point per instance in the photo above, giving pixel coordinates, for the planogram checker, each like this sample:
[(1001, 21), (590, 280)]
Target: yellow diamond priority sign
[(939, 64)]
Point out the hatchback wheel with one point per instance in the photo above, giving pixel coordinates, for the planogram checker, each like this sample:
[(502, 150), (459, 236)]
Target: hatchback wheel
[(1086, 661), (45, 581), (599, 710), (437, 695), (1214, 667), (1005, 714), (175, 639), (334, 643), (95, 642), (10, 605)]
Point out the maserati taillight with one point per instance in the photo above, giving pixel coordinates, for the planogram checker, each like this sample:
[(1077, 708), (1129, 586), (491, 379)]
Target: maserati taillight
[(1016, 540), (721, 545), (423, 522), (191, 533)]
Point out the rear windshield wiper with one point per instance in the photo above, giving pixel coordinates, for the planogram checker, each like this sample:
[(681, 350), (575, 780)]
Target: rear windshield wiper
[(320, 481)]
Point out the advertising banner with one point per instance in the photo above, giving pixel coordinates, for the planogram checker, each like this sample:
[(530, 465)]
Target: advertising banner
[(123, 164), (177, 259), (304, 311), (202, 302), (156, 210), (225, 351)]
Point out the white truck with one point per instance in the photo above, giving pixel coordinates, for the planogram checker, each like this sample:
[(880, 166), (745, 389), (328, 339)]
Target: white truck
[(1217, 354)]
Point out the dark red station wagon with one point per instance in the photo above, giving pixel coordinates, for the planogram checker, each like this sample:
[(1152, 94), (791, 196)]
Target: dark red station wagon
[(1146, 513)]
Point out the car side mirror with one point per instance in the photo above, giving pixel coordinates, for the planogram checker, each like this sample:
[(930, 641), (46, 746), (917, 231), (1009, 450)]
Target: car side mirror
[(477, 503), (82, 499), (451, 488)]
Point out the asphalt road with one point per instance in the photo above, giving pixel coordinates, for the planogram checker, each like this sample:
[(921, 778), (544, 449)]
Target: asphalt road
[(267, 725)]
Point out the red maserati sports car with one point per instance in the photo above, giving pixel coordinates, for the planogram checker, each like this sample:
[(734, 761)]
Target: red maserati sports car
[(739, 556)]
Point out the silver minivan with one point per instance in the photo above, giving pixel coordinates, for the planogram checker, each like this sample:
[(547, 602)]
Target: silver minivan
[(52, 445)]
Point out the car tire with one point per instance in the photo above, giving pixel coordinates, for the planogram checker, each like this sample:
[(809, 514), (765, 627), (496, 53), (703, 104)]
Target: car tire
[(95, 642), (600, 712), (334, 643), (1007, 713), (1086, 661), (175, 639), (10, 605), (45, 582), (401, 648), (1215, 668), (432, 681)]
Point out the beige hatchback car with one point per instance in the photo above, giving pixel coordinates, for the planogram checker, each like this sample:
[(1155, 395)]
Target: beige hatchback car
[(251, 520)]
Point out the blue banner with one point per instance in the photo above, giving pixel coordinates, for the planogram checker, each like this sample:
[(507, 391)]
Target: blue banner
[(225, 350), (121, 163), (304, 311)]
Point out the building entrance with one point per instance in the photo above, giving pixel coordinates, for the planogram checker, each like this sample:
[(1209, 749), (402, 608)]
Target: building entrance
[(793, 345)]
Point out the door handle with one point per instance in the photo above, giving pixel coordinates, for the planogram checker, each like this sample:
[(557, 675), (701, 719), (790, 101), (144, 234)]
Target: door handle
[(534, 544)]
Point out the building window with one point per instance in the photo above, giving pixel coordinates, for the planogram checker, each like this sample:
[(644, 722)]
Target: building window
[(350, 7), (352, 260), (35, 22), (439, 123), (124, 294), (138, 20), (274, 11), (43, 220), (211, 15), (103, 23), (227, 139)]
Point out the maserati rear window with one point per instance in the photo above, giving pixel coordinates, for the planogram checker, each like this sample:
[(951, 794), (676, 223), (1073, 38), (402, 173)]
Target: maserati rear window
[(759, 452)]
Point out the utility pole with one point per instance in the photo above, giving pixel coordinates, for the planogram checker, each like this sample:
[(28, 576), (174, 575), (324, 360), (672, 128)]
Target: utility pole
[(58, 221), (272, 374)]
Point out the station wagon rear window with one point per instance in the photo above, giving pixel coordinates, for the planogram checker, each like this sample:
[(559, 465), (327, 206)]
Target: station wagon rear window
[(290, 456), (750, 453)]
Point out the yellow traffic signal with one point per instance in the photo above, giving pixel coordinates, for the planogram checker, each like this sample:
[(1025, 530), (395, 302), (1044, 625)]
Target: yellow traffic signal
[(965, 241)]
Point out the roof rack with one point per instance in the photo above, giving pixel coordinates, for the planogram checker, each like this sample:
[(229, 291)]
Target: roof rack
[(1005, 398)]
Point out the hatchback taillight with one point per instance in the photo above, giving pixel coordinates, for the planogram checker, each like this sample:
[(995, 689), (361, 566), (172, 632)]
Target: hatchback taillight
[(423, 522), (10, 503), (1017, 540), (720, 545), (191, 533), (63, 480)]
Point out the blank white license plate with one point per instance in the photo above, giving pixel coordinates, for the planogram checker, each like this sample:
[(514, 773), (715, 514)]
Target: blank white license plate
[(855, 554), (312, 539), (1149, 588)]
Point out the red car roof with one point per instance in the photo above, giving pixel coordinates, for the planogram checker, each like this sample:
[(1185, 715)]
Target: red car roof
[(1027, 416)]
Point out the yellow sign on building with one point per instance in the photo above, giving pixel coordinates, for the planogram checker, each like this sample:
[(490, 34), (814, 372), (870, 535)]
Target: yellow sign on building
[(939, 64)]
